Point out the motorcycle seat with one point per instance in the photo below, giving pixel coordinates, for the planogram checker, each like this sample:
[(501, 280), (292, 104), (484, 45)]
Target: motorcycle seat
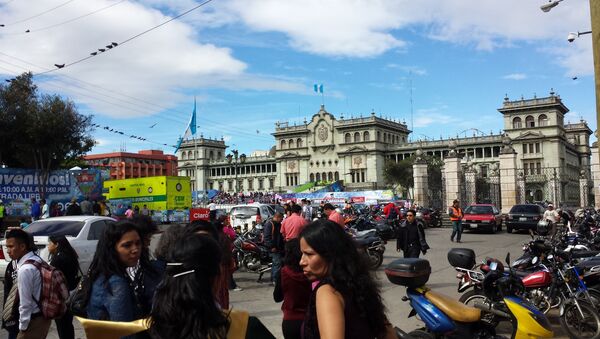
[(365, 234), (518, 273), (584, 254), (456, 310), (365, 241)]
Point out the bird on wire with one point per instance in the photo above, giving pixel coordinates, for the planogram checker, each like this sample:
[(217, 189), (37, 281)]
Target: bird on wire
[(59, 65), (153, 125)]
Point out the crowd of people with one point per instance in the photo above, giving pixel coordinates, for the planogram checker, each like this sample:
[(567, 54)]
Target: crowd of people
[(244, 198), (182, 287), (42, 210)]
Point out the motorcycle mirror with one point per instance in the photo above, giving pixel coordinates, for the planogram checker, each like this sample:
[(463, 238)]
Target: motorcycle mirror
[(508, 259)]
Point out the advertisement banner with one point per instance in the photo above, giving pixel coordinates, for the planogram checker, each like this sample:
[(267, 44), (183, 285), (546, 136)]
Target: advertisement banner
[(199, 214), (19, 186)]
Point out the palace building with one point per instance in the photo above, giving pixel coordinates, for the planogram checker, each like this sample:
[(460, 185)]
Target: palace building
[(355, 150)]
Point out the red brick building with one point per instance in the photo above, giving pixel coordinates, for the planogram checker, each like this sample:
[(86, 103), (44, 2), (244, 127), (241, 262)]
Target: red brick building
[(124, 165)]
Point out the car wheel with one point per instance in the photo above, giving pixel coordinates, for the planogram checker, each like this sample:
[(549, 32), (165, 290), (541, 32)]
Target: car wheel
[(508, 229), (493, 228)]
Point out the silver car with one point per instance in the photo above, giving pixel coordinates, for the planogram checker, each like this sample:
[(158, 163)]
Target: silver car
[(81, 231)]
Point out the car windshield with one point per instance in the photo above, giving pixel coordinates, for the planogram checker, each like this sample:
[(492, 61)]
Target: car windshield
[(479, 210), (245, 210), (535, 209), (55, 227)]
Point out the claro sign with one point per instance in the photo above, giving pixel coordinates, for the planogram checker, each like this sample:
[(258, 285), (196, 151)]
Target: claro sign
[(199, 214)]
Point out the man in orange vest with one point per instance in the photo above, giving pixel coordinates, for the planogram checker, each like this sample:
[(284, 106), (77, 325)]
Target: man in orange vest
[(456, 216)]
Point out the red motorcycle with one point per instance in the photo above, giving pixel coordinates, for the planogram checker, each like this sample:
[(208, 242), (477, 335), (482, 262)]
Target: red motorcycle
[(251, 255)]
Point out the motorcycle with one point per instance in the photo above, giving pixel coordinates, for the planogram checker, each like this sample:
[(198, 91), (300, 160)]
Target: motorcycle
[(560, 286), (251, 255), (447, 318), (371, 245)]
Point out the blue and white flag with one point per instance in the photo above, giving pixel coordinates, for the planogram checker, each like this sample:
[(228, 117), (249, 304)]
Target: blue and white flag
[(191, 129), (318, 88)]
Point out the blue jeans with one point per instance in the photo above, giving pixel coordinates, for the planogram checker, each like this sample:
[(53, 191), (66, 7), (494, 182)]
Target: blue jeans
[(276, 268), (456, 229)]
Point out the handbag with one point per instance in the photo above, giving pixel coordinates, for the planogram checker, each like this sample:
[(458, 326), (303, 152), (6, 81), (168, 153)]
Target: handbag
[(80, 297)]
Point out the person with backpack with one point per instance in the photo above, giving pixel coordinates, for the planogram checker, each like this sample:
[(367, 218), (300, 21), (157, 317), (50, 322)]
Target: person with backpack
[(34, 320), (391, 212), (10, 314), (64, 258)]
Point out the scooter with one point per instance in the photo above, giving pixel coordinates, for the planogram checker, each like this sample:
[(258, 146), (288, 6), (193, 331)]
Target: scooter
[(445, 317)]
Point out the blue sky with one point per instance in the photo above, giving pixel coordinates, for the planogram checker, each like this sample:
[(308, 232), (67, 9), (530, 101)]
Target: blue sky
[(251, 63)]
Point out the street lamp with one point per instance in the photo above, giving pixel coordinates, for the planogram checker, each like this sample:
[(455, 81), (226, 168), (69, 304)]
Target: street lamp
[(235, 159), (572, 35), (551, 4)]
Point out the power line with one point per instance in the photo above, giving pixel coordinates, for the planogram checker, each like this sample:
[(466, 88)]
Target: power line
[(40, 14), (115, 44), (77, 89), (66, 21)]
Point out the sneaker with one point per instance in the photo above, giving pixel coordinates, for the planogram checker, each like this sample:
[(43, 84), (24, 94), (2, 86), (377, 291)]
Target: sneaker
[(237, 289), (458, 241), (451, 240)]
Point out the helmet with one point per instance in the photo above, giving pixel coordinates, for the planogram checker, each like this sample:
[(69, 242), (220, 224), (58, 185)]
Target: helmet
[(490, 285), (542, 228)]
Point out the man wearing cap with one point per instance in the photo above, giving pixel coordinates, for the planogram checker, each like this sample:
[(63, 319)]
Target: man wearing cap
[(552, 216)]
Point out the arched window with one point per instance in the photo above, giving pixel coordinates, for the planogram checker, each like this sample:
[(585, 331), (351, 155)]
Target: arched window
[(218, 155), (347, 138), (282, 144), (318, 176), (378, 136), (543, 120), (312, 177), (517, 122), (291, 143), (324, 176), (529, 121), (336, 176), (330, 176), (366, 136), (385, 137), (183, 155), (211, 155), (299, 143), (356, 137)]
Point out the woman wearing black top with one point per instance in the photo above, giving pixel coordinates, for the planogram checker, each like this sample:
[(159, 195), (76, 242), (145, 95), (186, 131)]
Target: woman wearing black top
[(64, 258)]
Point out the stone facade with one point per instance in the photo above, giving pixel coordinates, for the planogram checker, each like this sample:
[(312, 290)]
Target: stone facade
[(354, 150)]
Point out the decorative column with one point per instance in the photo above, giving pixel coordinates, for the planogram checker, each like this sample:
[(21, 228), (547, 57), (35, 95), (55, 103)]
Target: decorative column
[(508, 175), (470, 186), (452, 174), (555, 187), (584, 189), (596, 174), (521, 185), (421, 179)]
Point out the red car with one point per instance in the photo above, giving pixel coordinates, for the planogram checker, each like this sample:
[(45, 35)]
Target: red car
[(482, 217)]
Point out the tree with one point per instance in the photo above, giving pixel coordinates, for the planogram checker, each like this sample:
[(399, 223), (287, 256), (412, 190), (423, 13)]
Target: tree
[(44, 132), (399, 174)]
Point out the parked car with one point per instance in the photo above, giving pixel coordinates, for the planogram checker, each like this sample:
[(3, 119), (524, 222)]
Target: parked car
[(246, 216), (524, 216), (482, 217), (82, 231)]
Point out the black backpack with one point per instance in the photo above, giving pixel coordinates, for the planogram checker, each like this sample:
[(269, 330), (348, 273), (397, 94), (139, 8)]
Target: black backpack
[(393, 214)]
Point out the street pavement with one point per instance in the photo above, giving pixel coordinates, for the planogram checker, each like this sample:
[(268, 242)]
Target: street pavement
[(257, 297)]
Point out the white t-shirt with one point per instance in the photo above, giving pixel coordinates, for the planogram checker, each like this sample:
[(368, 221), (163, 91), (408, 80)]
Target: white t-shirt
[(551, 215)]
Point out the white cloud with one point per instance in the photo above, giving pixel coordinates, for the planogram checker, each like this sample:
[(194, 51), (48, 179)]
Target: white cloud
[(412, 69), (515, 76), (430, 116), (158, 67)]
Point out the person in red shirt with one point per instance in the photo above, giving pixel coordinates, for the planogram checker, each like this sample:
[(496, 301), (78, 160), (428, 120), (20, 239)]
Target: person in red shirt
[(294, 289), (294, 224), (391, 211), (333, 215)]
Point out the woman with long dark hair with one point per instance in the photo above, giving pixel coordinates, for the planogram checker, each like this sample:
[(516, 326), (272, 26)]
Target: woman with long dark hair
[(346, 302), (184, 304), (112, 297), (64, 258)]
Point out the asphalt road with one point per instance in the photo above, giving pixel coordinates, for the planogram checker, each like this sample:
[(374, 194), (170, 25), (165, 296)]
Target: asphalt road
[(257, 297)]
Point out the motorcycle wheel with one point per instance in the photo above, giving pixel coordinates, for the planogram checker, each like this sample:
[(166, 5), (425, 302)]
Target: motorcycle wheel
[(421, 334), (375, 259), (471, 296), (575, 326)]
